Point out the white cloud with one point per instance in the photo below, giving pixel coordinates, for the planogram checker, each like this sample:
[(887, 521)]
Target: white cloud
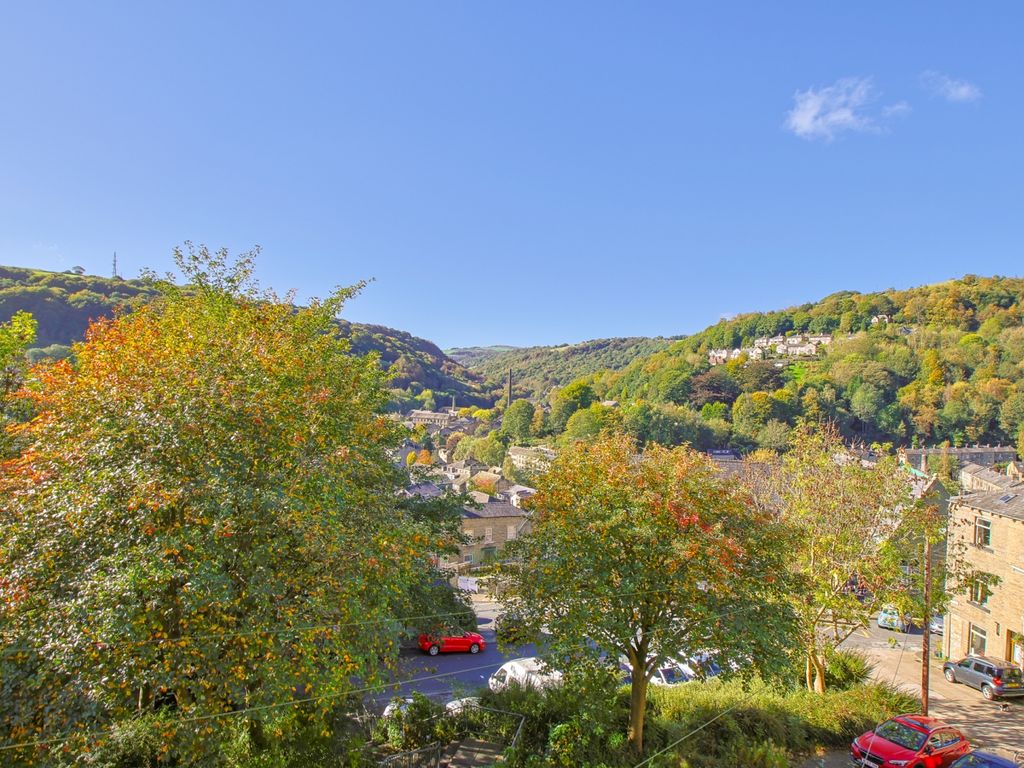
[(950, 88), (834, 109), (899, 109)]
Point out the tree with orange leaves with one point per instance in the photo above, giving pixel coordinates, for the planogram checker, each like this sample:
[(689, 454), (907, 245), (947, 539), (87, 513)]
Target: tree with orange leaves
[(204, 525), (650, 557)]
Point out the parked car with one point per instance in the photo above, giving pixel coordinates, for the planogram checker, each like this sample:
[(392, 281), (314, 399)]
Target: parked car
[(909, 741), (397, 705), (528, 672), (676, 671), (463, 642), (993, 677), (890, 618), (937, 625), (983, 760), (455, 706)]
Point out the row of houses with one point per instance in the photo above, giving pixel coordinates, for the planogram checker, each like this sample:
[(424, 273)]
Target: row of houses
[(777, 346)]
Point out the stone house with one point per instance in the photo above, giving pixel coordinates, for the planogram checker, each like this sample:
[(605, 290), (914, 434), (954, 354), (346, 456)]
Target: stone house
[(489, 528), (535, 459), (976, 478), (986, 534)]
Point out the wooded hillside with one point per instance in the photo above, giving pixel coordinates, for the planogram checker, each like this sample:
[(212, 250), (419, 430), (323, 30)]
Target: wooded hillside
[(63, 303)]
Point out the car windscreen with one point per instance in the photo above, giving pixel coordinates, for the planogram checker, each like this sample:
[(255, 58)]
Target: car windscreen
[(973, 761), (1013, 674), (901, 734), (674, 674)]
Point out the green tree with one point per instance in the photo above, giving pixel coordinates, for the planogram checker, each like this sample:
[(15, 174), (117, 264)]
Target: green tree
[(810, 489), (1011, 414), (518, 420), (205, 508), (866, 403), (16, 336), (567, 401), (648, 557)]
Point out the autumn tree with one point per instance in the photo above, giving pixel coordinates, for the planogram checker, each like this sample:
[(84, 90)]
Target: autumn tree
[(204, 522), (647, 557), (845, 521)]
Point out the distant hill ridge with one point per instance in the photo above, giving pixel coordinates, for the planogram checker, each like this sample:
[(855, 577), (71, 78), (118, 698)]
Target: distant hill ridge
[(64, 303), (539, 369)]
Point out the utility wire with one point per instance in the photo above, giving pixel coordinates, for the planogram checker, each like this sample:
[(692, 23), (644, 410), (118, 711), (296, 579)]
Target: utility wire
[(284, 630), (295, 702)]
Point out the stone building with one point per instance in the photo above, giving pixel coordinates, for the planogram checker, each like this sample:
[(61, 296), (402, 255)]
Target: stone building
[(986, 535), (495, 523)]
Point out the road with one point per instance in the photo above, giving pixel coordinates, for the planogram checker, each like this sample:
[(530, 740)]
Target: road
[(452, 675), (897, 659)]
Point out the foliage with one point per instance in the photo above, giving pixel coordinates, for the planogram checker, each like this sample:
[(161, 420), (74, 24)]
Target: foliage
[(518, 420), (950, 366), (16, 335), (64, 304), (537, 370), (810, 488), (203, 521), (757, 724), (647, 557)]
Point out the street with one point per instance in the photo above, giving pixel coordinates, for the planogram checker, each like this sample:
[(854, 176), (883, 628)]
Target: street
[(898, 661), (463, 673)]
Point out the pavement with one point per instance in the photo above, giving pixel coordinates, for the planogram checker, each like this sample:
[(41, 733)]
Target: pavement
[(898, 661)]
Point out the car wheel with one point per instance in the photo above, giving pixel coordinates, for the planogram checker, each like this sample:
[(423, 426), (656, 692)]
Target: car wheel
[(434, 650), (987, 692), (474, 648), (950, 675)]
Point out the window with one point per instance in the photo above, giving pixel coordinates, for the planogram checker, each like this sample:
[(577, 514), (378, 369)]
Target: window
[(488, 535), (980, 592), (510, 533), (982, 532), (979, 640), (468, 558)]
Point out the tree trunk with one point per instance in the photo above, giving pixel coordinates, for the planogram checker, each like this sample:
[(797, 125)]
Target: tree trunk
[(814, 671), (637, 707), (819, 673)]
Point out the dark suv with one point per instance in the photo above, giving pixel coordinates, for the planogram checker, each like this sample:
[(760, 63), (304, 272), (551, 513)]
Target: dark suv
[(993, 677)]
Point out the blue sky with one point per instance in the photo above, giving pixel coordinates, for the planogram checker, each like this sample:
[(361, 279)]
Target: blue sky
[(521, 173)]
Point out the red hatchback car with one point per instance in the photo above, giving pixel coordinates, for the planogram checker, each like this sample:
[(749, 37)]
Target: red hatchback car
[(909, 741), (468, 641)]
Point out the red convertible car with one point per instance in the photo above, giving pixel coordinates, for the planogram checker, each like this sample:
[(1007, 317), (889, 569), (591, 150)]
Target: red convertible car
[(909, 741), (468, 641)]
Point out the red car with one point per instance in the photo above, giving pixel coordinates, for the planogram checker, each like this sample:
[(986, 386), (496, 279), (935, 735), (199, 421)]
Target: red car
[(909, 741), (468, 641)]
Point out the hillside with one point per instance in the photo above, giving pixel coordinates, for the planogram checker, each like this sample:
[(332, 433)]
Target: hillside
[(941, 362), (64, 303), (536, 370), (472, 357)]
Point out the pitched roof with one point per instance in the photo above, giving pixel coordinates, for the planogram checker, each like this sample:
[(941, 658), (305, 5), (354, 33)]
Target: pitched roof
[(494, 508), (1008, 503)]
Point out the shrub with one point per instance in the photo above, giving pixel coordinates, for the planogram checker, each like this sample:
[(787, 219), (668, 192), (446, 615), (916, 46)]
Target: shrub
[(845, 669)]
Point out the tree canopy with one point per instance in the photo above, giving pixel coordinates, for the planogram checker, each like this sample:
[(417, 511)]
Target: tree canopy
[(648, 556), (204, 522)]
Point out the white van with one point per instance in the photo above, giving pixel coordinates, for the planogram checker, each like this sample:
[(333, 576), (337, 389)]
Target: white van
[(529, 671)]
